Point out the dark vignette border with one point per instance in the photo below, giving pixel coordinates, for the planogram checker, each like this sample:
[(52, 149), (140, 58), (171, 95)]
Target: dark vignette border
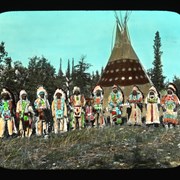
[(20, 5)]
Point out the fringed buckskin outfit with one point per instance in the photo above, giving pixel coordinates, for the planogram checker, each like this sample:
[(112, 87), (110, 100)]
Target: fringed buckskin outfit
[(152, 106), (170, 103), (59, 112), (135, 100), (98, 106), (115, 102), (42, 107), (89, 113), (78, 102), (25, 115), (6, 111)]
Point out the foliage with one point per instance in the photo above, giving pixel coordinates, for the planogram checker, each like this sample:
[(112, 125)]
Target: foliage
[(16, 77), (81, 77), (156, 73), (176, 81)]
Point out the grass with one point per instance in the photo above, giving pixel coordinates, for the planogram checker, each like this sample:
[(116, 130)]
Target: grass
[(117, 147)]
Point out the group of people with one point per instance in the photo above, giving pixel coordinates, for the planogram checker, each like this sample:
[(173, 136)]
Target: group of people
[(152, 104), (77, 112)]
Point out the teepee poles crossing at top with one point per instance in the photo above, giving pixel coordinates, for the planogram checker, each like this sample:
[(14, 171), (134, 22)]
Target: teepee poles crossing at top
[(120, 21), (123, 25)]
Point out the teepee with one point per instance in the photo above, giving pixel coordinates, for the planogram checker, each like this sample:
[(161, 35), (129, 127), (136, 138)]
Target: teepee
[(124, 67)]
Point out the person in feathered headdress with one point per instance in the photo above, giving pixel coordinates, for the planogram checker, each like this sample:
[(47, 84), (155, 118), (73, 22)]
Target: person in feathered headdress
[(25, 115), (135, 101), (98, 106), (115, 102), (152, 106), (42, 107), (6, 113), (59, 111), (170, 103), (78, 102)]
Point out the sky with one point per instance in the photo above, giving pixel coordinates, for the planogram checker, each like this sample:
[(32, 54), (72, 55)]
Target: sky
[(71, 34)]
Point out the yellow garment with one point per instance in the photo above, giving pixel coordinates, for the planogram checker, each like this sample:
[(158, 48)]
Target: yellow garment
[(59, 125), (3, 125)]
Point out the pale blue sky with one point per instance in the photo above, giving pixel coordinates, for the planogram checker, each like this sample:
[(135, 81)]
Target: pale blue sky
[(71, 34)]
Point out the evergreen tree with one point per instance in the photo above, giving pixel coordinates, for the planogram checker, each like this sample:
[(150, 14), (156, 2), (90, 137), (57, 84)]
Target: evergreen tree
[(176, 81), (95, 78), (7, 72), (81, 77), (102, 70), (72, 70), (150, 73), (68, 73), (59, 81), (3, 52), (60, 73), (40, 72), (157, 72), (21, 75)]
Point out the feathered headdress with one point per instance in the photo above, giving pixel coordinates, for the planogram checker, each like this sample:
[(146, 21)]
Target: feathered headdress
[(173, 87), (97, 88), (114, 86), (61, 92), (76, 89), (136, 88), (5, 91), (21, 93), (153, 89), (40, 90)]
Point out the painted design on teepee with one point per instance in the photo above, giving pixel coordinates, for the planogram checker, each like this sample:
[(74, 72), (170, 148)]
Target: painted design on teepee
[(124, 67)]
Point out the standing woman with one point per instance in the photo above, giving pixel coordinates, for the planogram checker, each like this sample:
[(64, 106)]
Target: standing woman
[(6, 113)]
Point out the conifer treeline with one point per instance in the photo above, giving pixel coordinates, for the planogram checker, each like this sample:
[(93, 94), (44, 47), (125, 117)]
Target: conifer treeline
[(39, 71)]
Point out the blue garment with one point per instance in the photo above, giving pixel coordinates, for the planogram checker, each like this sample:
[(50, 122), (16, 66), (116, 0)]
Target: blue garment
[(59, 112), (115, 97), (118, 112)]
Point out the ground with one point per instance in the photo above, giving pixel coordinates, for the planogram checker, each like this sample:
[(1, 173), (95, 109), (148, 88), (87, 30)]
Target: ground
[(116, 147)]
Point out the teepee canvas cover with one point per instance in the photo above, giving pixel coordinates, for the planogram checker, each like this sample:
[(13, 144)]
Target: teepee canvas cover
[(124, 67)]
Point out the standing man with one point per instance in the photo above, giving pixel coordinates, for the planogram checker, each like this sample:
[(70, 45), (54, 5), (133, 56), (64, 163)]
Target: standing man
[(152, 106), (6, 114), (135, 101), (78, 103), (98, 106), (170, 103), (25, 115), (115, 102), (59, 111), (42, 107)]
